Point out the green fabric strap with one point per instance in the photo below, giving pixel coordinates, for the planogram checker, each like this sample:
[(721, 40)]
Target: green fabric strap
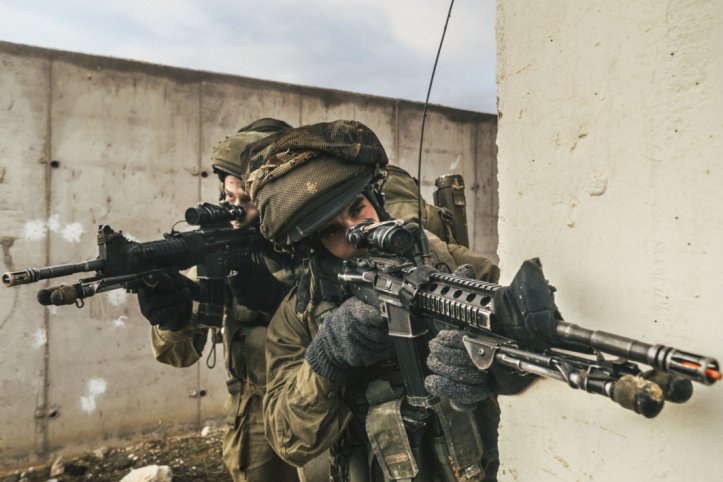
[(387, 434)]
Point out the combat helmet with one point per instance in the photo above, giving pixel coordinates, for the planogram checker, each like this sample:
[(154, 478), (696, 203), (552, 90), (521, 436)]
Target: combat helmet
[(307, 175), (230, 155)]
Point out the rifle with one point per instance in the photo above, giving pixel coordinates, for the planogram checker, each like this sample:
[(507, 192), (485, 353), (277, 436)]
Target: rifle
[(414, 297), (122, 263)]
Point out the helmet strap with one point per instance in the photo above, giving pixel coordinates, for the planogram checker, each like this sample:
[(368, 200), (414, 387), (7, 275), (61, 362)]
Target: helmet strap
[(375, 196)]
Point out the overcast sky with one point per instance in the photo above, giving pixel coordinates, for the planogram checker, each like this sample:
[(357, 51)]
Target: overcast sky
[(380, 47)]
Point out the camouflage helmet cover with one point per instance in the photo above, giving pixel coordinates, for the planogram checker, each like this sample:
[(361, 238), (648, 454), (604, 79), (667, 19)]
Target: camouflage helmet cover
[(229, 155), (307, 175)]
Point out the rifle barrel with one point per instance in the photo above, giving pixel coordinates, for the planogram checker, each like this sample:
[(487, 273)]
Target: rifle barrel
[(31, 275), (694, 367)]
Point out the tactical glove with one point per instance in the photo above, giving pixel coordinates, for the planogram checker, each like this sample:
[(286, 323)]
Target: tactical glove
[(525, 311), (168, 304), (255, 287), (353, 335), (453, 374)]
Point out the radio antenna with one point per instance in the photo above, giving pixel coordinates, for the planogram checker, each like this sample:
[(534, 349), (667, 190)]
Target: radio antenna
[(424, 119)]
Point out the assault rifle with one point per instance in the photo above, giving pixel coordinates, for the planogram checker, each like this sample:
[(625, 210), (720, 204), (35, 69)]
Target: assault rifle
[(508, 327), (122, 263)]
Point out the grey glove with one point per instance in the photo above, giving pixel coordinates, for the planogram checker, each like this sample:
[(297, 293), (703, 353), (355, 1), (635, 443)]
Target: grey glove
[(353, 335), (453, 374)]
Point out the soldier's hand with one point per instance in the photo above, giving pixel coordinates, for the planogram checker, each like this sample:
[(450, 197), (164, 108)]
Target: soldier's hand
[(353, 335), (169, 303), (255, 287), (453, 374)]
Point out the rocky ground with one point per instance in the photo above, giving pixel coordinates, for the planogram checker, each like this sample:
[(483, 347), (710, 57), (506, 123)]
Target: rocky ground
[(192, 457)]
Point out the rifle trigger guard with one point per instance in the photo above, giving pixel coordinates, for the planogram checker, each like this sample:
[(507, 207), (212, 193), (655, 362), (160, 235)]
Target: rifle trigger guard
[(79, 302), (481, 350)]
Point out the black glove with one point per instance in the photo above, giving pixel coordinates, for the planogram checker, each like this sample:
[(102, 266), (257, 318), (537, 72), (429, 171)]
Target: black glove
[(353, 335), (168, 304), (525, 311), (255, 287), (453, 374)]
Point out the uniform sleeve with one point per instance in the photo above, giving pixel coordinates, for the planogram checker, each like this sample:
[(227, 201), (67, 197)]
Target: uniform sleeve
[(180, 348), (303, 412)]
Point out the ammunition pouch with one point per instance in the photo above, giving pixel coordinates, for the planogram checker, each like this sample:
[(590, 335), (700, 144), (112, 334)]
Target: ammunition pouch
[(457, 451), (463, 448), (386, 432)]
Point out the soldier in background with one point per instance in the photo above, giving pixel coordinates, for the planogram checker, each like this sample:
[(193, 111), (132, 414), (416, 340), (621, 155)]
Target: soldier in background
[(253, 295)]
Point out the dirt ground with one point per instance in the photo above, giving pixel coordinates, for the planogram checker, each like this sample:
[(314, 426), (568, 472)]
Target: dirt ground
[(192, 457)]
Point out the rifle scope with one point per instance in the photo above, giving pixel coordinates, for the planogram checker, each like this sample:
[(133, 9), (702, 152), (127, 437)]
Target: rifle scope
[(388, 236), (207, 214)]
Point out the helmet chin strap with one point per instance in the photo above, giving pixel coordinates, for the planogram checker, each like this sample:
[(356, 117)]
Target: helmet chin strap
[(375, 196)]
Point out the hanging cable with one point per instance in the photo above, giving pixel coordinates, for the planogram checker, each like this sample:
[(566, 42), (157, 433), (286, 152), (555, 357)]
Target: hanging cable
[(424, 118)]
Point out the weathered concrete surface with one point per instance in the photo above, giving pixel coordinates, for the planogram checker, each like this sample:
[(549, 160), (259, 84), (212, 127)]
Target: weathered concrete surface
[(130, 144), (610, 141), (24, 99)]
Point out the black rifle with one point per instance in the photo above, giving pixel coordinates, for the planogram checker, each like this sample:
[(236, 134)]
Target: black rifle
[(414, 297), (127, 264)]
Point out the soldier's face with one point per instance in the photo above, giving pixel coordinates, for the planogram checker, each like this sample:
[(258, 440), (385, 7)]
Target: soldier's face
[(333, 234), (235, 194)]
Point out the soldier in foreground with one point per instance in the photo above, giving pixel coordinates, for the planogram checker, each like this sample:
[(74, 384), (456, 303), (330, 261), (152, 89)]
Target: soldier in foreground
[(254, 294), (331, 371)]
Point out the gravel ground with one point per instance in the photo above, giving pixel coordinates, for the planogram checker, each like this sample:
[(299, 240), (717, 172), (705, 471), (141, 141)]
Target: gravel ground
[(192, 457)]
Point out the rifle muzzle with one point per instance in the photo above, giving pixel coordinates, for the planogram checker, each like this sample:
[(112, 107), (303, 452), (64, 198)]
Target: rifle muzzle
[(31, 275), (20, 277)]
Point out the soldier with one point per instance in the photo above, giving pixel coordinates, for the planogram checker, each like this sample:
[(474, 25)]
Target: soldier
[(179, 342), (331, 374)]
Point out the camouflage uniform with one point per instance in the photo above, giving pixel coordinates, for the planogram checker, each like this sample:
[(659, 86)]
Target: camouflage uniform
[(306, 177), (246, 453)]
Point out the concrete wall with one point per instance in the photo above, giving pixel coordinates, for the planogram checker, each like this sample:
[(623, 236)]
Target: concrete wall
[(610, 141), (85, 141)]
